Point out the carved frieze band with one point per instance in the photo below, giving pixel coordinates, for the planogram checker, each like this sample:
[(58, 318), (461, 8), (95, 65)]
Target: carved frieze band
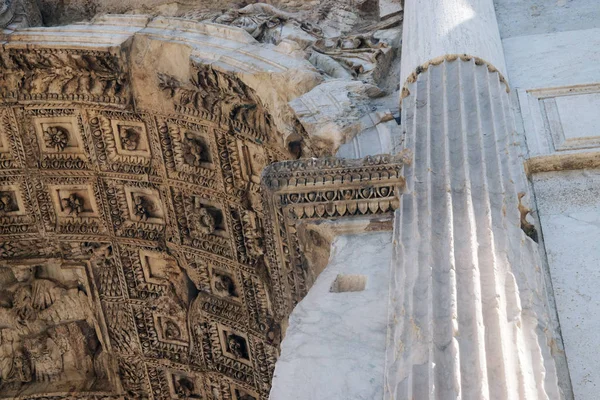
[(49, 74), (318, 189)]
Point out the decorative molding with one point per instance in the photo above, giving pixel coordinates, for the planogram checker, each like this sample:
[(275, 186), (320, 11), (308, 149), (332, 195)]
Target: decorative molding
[(560, 127), (310, 190)]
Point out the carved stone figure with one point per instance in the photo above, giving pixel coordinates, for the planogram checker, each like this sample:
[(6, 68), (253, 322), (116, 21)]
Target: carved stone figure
[(45, 329), (265, 23), (357, 54), (341, 56)]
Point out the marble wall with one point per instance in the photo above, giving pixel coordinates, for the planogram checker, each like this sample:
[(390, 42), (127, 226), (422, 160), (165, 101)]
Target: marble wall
[(551, 51), (334, 348), (530, 17), (569, 210)]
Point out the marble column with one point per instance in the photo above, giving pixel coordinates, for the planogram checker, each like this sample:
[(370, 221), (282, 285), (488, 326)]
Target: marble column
[(469, 309)]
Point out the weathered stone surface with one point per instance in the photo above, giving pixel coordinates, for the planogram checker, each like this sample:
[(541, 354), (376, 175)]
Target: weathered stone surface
[(146, 179), (16, 14), (567, 204), (339, 16), (304, 191), (131, 154), (472, 315), (336, 340)]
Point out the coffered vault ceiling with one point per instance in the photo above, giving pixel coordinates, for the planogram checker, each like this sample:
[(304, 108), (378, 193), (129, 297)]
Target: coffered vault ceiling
[(138, 258), (135, 234)]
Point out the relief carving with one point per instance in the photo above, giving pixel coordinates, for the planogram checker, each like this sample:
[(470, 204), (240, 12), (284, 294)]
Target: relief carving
[(218, 95), (318, 189), (16, 14), (51, 74), (56, 137), (185, 387), (72, 205), (73, 201), (145, 205), (234, 345), (8, 202), (195, 152), (263, 22), (252, 234), (129, 137), (171, 331), (340, 56), (166, 213), (357, 54), (48, 333), (241, 394), (205, 221), (223, 284)]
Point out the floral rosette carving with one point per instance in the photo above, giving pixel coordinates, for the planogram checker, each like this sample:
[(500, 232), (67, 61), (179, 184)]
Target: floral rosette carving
[(56, 137), (72, 205)]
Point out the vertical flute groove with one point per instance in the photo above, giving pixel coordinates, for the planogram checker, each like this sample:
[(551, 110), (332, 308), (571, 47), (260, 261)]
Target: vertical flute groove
[(467, 328)]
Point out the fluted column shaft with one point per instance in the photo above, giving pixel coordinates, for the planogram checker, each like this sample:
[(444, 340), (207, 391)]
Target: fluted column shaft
[(468, 301)]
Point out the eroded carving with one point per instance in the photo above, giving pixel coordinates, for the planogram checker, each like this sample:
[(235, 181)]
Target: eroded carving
[(129, 137), (340, 56), (357, 54), (72, 205), (48, 332), (16, 14), (51, 74), (195, 152), (218, 95), (8, 202), (223, 284), (263, 22), (165, 212)]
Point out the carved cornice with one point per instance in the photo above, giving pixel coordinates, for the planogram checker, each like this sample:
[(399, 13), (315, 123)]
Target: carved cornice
[(319, 189)]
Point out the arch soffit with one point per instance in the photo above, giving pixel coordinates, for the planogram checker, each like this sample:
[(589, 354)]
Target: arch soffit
[(141, 49)]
